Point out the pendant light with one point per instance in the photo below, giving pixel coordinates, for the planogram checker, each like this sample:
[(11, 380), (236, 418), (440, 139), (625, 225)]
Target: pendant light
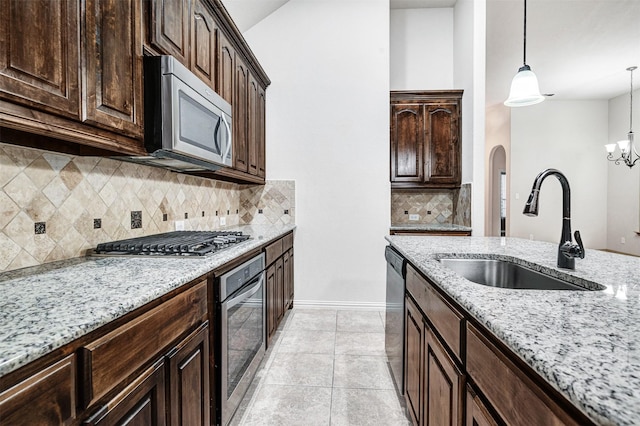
[(628, 154), (524, 86)]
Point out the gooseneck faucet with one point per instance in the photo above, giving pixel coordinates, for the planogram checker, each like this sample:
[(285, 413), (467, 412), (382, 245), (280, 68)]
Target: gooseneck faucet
[(567, 251)]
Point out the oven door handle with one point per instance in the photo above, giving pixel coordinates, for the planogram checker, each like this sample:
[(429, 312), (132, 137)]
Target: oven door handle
[(245, 295)]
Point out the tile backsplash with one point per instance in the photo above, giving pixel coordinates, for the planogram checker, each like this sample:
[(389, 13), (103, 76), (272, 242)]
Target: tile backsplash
[(55, 206), (432, 206)]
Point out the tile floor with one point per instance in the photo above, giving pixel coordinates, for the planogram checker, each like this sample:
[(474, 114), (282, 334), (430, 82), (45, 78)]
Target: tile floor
[(324, 367)]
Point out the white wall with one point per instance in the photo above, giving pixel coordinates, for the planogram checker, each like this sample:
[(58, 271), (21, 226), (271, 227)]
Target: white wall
[(469, 75), (568, 136), (328, 129), (623, 201), (421, 49)]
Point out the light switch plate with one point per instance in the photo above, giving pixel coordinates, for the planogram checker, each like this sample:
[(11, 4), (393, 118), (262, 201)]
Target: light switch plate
[(179, 225)]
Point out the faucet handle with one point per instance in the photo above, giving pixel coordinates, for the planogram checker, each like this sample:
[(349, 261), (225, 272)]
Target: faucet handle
[(580, 245)]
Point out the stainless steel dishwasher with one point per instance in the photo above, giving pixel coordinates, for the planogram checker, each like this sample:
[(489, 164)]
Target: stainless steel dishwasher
[(394, 318)]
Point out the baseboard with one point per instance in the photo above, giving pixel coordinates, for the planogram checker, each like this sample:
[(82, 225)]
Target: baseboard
[(320, 304)]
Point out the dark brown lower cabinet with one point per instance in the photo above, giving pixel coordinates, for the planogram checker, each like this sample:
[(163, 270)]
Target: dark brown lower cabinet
[(434, 385), (142, 403), (188, 394), (444, 386), (279, 282), (477, 412), (414, 360), (47, 397), (287, 260), (451, 362)]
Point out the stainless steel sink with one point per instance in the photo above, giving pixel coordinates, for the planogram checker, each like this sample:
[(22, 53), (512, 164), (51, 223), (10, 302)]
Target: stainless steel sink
[(503, 274)]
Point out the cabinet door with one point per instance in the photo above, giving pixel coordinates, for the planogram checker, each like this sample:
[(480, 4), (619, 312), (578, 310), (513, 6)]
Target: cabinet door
[(142, 403), (279, 290), (40, 53), (272, 315), (46, 398), (262, 158), (477, 412), (170, 28), (287, 260), (443, 386), (204, 33), (253, 123), (240, 100), (113, 58), (414, 360), (189, 380), (407, 142), (226, 70), (442, 160)]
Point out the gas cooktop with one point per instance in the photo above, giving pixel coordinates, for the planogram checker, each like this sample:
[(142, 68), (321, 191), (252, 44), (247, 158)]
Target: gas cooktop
[(177, 243)]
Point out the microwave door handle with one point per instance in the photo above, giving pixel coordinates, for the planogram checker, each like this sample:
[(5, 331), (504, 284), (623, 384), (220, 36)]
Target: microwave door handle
[(239, 298), (228, 148)]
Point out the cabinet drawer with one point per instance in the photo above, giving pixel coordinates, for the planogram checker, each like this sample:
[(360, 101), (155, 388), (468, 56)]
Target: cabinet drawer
[(416, 287), (287, 242), (516, 398), (273, 251), (447, 321), (47, 397), (115, 356)]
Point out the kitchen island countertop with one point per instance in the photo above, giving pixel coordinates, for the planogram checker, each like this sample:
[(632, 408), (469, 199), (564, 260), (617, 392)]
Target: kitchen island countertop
[(586, 344), (48, 306), (429, 227)]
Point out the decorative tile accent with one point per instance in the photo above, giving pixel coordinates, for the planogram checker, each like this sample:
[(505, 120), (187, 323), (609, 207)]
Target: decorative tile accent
[(433, 207), (267, 204), (136, 220), (40, 227), (97, 223), (164, 217)]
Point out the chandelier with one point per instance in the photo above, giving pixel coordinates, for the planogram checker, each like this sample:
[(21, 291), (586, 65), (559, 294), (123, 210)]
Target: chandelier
[(628, 153)]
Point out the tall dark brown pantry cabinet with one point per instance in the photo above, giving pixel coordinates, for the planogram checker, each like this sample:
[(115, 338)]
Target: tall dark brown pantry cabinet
[(425, 139)]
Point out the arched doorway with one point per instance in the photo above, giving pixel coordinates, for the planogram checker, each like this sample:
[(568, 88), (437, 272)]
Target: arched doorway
[(498, 192)]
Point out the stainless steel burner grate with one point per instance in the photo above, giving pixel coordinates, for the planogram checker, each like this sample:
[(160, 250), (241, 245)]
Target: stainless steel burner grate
[(177, 243)]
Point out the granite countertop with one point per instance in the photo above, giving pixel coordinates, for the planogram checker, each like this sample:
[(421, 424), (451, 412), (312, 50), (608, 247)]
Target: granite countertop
[(48, 306), (435, 227), (586, 344)]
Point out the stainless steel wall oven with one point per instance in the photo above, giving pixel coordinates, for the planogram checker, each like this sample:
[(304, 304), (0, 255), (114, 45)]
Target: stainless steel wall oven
[(240, 308)]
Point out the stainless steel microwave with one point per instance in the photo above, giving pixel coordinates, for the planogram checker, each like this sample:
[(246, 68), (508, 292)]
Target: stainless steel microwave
[(187, 126)]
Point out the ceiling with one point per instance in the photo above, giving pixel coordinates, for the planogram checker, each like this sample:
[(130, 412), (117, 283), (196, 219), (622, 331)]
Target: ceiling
[(579, 49)]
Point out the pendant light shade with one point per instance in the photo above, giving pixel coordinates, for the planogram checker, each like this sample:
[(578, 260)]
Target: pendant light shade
[(524, 89), (524, 86)]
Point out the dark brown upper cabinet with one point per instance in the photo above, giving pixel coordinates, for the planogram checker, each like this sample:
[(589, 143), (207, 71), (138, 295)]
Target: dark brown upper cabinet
[(425, 139), (253, 123), (240, 114), (226, 70), (204, 42), (113, 64), (39, 55), (71, 74), (170, 28)]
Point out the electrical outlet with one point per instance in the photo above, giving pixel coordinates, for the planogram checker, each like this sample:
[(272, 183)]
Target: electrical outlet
[(531, 237), (223, 221), (622, 240), (414, 217), (517, 195), (179, 225)]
